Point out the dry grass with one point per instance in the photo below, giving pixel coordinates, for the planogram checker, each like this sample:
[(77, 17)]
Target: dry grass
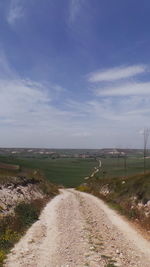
[(12, 227), (124, 195)]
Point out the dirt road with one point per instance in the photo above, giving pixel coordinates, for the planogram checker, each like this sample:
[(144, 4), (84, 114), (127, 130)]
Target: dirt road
[(76, 230), (96, 170)]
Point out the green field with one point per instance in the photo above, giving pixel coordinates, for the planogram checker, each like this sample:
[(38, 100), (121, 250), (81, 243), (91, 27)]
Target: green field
[(69, 172), (114, 167)]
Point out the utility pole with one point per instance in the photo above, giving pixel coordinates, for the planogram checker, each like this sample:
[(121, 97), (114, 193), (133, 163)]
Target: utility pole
[(146, 136), (125, 165)]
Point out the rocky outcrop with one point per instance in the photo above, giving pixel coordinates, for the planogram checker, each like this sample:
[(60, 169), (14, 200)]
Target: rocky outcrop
[(12, 194)]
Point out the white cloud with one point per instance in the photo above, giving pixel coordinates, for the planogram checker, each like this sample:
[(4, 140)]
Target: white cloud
[(74, 9), (29, 115), (125, 89), (116, 73), (15, 11), (140, 111), (21, 100)]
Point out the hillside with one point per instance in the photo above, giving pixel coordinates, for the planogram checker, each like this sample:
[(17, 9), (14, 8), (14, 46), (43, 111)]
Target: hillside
[(130, 196), (23, 194), (22, 185)]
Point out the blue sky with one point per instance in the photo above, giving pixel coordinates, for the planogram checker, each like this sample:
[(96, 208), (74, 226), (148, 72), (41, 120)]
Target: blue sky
[(74, 73)]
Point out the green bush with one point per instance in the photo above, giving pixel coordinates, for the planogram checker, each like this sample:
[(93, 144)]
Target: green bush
[(83, 188), (13, 227), (8, 238), (2, 257), (27, 213)]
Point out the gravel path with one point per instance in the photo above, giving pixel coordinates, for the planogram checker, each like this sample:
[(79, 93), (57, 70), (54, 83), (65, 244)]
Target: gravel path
[(77, 229)]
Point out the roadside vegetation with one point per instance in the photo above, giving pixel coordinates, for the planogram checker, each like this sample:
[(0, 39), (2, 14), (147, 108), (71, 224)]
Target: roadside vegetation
[(130, 196), (15, 224), (12, 227)]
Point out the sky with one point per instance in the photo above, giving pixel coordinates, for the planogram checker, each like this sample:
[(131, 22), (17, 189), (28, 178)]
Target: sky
[(74, 73)]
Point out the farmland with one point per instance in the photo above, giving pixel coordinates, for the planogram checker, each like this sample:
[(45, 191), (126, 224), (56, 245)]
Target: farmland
[(70, 172), (115, 167)]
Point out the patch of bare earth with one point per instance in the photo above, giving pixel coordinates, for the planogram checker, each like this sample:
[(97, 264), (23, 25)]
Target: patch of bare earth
[(77, 229)]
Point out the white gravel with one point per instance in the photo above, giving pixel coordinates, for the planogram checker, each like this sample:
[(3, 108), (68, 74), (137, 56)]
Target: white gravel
[(77, 229)]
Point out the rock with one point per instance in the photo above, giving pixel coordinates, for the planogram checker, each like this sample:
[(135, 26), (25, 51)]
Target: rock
[(11, 195), (92, 248), (117, 251), (148, 203), (31, 241)]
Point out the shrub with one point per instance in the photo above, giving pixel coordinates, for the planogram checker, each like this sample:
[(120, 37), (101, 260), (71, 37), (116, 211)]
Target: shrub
[(27, 213), (83, 188), (12, 227), (124, 195), (8, 238), (2, 257)]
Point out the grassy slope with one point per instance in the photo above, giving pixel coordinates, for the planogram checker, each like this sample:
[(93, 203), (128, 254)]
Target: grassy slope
[(124, 195), (12, 227), (137, 185)]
